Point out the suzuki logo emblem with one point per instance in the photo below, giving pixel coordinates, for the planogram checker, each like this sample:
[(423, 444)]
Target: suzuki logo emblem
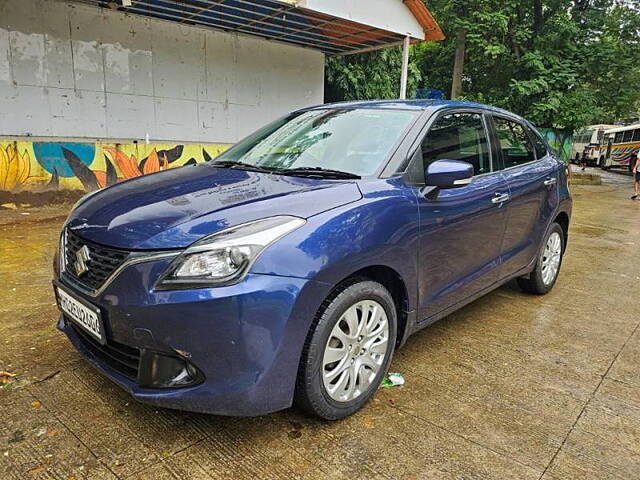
[(82, 257)]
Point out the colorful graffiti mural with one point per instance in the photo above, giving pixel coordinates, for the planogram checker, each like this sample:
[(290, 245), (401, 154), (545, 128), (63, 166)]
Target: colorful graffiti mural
[(26, 165), (560, 141)]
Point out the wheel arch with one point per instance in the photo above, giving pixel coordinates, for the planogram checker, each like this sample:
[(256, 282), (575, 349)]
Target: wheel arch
[(393, 282), (562, 219)]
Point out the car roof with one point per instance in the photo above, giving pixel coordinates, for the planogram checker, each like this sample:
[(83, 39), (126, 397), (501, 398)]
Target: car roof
[(421, 104), (623, 128)]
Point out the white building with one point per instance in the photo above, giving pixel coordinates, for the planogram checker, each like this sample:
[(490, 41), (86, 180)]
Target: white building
[(162, 72)]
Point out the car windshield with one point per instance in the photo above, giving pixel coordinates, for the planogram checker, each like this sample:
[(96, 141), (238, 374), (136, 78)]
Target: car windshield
[(356, 141)]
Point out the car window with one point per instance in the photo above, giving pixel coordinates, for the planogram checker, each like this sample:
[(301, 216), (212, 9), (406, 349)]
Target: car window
[(538, 144), (458, 136), (514, 142)]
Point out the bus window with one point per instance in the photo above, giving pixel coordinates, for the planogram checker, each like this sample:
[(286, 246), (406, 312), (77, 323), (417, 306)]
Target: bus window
[(636, 135), (619, 136), (628, 136), (600, 136)]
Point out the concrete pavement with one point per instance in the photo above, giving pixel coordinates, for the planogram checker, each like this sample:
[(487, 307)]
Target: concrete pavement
[(512, 386)]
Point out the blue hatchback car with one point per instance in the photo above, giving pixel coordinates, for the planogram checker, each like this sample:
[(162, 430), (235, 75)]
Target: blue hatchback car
[(293, 265)]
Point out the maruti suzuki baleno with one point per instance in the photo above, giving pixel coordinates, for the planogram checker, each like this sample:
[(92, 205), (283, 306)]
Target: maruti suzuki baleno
[(290, 268)]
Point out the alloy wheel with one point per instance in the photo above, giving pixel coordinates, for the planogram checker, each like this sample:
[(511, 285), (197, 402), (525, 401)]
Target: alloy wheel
[(355, 351), (551, 258)]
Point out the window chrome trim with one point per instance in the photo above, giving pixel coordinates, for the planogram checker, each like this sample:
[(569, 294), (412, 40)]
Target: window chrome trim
[(133, 259)]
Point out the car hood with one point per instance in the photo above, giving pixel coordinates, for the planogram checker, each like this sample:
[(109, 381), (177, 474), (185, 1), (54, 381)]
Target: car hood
[(177, 207)]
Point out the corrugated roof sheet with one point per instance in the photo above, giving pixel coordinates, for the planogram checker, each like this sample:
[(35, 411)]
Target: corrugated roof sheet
[(283, 21)]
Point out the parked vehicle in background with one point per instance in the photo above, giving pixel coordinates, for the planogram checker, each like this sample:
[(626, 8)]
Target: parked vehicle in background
[(292, 266), (621, 147), (588, 142)]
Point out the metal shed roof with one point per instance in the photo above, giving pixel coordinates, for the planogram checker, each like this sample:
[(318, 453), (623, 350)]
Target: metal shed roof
[(332, 26)]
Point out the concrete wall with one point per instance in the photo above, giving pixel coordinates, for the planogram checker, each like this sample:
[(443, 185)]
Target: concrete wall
[(74, 71)]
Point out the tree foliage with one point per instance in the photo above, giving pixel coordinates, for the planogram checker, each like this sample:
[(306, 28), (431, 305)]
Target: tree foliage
[(368, 76), (561, 63)]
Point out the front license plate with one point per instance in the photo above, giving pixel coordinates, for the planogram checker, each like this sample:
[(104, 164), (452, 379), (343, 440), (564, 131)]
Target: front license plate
[(85, 316)]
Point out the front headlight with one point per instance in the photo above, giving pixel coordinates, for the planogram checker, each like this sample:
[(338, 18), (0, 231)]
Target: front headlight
[(225, 257)]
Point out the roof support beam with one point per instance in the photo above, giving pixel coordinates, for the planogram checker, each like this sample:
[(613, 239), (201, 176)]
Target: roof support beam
[(163, 14), (268, 28), (331, 26), (203, 19)]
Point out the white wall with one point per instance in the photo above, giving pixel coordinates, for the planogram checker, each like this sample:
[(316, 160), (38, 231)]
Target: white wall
[(76, 71), (391, 15)]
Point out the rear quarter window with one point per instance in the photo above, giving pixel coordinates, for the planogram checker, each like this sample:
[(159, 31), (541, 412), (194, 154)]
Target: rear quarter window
[(539, 145)]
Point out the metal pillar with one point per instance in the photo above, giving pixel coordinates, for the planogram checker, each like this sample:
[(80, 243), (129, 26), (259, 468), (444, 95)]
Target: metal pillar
[(405, 68)]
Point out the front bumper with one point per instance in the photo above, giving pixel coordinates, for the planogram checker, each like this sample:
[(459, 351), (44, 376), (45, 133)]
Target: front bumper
[(244, 339)]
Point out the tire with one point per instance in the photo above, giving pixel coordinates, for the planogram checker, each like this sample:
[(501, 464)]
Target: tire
[(539, 282), (320, 390)]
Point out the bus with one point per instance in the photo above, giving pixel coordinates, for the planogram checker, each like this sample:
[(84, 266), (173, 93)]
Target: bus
[(620, 145), (589, 142)]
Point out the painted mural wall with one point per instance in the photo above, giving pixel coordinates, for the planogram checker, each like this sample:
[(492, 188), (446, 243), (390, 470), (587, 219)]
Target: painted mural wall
[(38, 166), (560, 141)]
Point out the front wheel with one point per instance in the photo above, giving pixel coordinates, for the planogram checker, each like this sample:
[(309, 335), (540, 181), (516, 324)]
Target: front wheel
[(347, 351), (545, 273)]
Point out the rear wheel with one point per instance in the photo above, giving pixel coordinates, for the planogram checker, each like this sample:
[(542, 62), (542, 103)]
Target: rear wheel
[(347, 351), (545, 273)]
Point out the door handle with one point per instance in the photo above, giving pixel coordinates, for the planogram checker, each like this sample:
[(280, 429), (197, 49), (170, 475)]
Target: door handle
[(550, 181), (500, 198)]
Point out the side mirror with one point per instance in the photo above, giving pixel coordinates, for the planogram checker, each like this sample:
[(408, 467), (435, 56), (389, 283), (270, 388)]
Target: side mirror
[(448, 174)]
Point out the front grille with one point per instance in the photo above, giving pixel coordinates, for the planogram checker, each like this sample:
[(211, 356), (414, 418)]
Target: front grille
[(122, 358), (101, 264)]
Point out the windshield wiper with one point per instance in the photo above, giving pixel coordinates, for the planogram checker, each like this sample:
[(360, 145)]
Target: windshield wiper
[(318, 172), (243, 166)]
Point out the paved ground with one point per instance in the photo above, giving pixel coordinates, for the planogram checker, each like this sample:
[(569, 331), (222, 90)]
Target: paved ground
[(512, 386)]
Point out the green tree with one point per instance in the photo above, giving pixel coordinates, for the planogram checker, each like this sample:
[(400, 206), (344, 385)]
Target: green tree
[(368, 76), (561, 63)]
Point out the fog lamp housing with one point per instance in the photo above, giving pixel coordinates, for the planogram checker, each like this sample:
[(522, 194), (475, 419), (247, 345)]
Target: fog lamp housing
[(160, 370)]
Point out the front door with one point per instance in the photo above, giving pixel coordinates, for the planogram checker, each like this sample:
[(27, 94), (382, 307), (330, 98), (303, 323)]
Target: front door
[(461, 230)]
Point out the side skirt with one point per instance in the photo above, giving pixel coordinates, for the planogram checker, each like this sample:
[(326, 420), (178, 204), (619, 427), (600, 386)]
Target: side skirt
[(419, 325)]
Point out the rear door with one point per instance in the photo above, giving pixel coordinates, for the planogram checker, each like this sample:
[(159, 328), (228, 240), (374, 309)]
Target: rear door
[(532, 176), (461, 230)]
